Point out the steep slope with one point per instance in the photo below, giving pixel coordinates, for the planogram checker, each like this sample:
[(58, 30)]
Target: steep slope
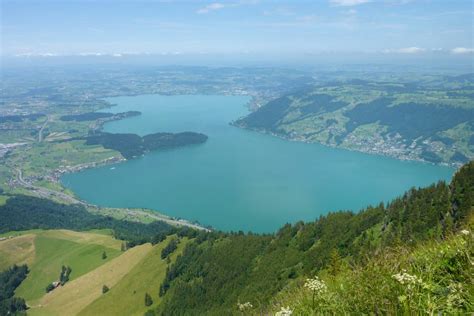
[(53, 249), (77, 294), (126, 297)]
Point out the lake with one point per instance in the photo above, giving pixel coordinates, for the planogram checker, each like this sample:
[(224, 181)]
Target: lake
[(239, 179)]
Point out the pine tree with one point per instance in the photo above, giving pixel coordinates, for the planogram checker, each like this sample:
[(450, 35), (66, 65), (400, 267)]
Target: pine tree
[(335, 263), (148, 300)]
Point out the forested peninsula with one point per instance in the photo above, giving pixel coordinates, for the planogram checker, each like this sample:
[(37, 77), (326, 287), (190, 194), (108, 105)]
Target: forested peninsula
[(133, 145)]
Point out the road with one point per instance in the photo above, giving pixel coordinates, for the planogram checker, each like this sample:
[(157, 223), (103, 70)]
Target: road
[(40, 133)]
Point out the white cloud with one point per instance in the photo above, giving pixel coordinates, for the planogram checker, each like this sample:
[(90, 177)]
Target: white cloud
[(462, 50), (211, 7), (348, 3), (406, 50)]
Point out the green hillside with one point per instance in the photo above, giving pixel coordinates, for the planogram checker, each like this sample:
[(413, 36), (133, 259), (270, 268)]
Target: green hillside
[(412, 255), (127, 296), (431, 120), (55, 249)]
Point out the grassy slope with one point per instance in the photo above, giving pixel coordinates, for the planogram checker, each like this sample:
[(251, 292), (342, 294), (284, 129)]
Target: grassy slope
[(18, 250), (77, 294), (442, 266), (81, 251), (127, 297)]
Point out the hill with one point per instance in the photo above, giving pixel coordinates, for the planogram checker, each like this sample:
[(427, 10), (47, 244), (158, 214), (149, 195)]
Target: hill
[(53, 249), (412, 255), (128, 275), (427, 120)]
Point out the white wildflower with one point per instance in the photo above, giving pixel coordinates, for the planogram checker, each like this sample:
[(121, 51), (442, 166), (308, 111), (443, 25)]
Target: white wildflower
[(244, 306), (407, 279), (316, 285), (465, 232), (284, 311)]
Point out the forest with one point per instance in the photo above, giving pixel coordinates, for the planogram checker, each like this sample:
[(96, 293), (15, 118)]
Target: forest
[(20, 118), (22, 212), (132, 145), (91, 116), (9, 281)]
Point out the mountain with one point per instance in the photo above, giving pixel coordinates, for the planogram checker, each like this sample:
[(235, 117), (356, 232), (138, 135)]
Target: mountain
[(413, 255), (431, 120)]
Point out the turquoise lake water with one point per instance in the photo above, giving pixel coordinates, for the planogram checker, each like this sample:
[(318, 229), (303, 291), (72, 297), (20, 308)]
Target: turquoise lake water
[(239, 179)]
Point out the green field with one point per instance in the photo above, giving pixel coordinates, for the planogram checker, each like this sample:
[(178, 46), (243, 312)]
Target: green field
[(129, 275), (79, 293), (52, 249), (127, 296)]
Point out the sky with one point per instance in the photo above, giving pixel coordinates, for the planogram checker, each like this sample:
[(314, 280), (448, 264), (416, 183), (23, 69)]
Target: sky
[(238, 28)]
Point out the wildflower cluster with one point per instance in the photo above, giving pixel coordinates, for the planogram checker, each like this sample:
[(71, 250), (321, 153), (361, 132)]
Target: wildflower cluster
[(455, 297), (316, 285), (465, 232), (407, 279), (244, 306), (284, 311)]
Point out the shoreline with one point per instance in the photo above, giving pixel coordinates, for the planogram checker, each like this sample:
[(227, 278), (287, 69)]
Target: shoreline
[(454, 166)]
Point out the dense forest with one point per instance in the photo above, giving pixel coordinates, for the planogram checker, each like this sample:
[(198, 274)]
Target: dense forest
[(9, 281), (25, 212), (411, 120), (216, 272), (91, 116), (132, 145), (20, 118)]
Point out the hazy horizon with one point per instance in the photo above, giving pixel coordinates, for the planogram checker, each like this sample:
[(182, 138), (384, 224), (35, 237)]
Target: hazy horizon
[(240, 32)]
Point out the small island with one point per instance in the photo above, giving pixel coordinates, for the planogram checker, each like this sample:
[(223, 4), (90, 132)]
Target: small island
[(133, 145)]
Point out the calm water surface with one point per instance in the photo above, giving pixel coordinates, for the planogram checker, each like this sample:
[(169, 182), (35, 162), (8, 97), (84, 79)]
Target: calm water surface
[(238, 179)]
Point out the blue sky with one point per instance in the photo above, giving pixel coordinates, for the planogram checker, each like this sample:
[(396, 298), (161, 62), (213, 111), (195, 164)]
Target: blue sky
[(290, 28)]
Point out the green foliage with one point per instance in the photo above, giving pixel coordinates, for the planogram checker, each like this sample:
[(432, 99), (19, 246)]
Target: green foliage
[(411, 120), (434, 278), (13, 306), (132, 145), (148, 300), (26, 212), (105, 289), (64, 276), (104, 255), (20, 118), (89, 116), (9, 280), (170, 248), (49, 287)]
